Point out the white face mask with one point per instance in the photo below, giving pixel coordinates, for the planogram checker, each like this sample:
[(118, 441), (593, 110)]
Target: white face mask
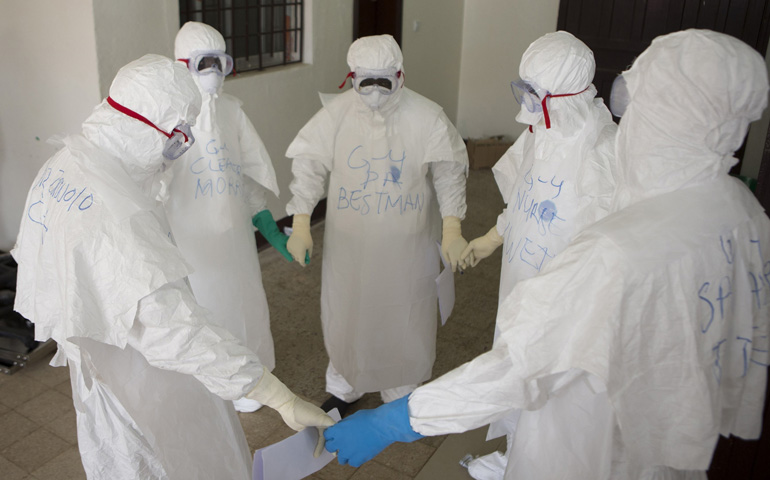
[(529, 118), (211, 82), (619, 98), (374, 100)]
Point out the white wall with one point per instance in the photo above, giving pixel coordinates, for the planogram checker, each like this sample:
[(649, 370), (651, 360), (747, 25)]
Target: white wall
[(495, 35), (126, 30), (432, 50), (281, 100), (49, 85)]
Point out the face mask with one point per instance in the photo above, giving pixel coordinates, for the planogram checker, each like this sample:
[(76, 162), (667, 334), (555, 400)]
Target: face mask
[(178, 141), (375, 100), (211, 82), (529, 118), (619, 98)]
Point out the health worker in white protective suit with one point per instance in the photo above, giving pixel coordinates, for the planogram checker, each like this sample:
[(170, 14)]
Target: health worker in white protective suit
[(100, 274), (556, 179), (217, 191), (396, 166), (647, 337)]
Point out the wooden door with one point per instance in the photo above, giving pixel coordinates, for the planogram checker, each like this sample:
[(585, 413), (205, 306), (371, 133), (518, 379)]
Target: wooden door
[(377, 17), (619, 30)]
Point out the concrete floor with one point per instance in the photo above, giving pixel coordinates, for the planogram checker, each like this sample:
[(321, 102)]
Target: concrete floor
[(37, 420)]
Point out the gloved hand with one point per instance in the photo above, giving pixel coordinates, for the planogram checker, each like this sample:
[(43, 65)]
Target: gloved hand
[(452, 242), (480, 248), (295, 412), (300, 243), (268, 228), (360, 437)]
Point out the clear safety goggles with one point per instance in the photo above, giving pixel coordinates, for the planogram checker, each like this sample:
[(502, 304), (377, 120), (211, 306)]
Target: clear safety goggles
[(526, 94), (365, 82), (178, 141), (204, 62)]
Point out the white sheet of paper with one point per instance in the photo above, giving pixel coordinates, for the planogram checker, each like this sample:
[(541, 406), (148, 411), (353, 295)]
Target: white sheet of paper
[(292, 458), (445, 282)]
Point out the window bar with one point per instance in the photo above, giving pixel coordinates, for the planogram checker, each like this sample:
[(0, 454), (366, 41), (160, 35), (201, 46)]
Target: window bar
[(301, 33), (272, 30), (259, 33)]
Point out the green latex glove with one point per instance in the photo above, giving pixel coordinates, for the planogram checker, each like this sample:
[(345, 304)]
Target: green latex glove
[(268, 228)]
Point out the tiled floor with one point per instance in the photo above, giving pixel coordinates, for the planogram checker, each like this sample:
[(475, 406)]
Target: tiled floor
[(37, 420)]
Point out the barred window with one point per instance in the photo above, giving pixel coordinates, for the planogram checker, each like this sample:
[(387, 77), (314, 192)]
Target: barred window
[(258, 33)]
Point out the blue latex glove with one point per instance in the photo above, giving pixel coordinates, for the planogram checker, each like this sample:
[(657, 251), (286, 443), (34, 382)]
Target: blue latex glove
[(269, 229), (360, 437)]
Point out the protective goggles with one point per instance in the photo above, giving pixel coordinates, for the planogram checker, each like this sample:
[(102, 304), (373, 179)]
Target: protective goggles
[(365, 82), (526, 94), (179, 140), (204, 62)]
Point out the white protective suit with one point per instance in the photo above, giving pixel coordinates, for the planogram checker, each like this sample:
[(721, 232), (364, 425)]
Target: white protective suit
[(646, 337), (100, 274), (217, 186), (387, 168), (555, 179)]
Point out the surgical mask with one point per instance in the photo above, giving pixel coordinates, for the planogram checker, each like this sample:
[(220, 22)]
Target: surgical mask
[(211, 82), (204, 62), (619, 98), (178, 141), (375, 100)]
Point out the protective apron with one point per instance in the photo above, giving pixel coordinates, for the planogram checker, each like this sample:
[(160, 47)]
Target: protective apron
[(89, 227), (208, 207), (555, 182), (380, 249), (380, 259)]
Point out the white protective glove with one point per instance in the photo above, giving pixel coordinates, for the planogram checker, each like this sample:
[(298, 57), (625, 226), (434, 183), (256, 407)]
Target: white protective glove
[(480, 248), (295, 412), (300, 243), (452, 242)]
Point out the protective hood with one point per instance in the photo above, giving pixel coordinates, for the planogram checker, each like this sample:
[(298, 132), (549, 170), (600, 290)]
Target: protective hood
[(160, 90), (377, 52), (197, 37), (692, 97), (559, 64)]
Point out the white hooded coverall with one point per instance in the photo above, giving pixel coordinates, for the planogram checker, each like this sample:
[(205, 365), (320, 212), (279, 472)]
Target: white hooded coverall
[(100, 274), (387, 168), (647, 337), (217, 186), (555, 180)]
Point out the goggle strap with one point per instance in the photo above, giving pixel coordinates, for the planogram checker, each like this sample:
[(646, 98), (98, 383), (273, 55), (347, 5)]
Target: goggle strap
[(136, 116), (349, 75), (545, 107), (399, 74), (185, 135)]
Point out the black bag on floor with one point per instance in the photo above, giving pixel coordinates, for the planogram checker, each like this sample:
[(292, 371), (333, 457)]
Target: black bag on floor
[(17, 334)]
